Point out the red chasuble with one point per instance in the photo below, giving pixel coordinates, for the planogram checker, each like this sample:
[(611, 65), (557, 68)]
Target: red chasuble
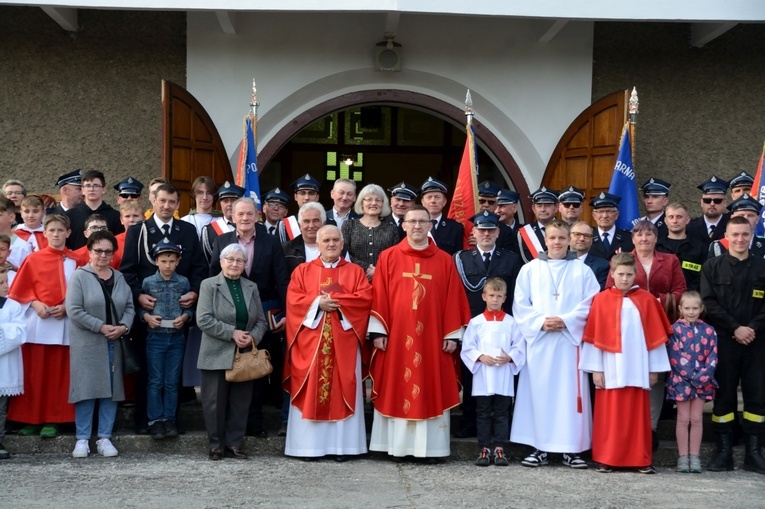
[(419, 298), (41, 277), (320, 367)]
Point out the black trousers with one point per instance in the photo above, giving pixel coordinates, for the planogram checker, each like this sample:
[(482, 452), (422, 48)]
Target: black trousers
[(225, 406), (468, 400), (745, 364), (493, 430)]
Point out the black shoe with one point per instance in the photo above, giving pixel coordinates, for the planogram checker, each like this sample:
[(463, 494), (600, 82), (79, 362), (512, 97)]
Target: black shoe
[(171, 430), (341, 458), (215, 454), (723, 460), (141, 429), (282, 431), (235, 452), (484, 458), (753, 460), (654, 441), (157, 430), (4, 454)]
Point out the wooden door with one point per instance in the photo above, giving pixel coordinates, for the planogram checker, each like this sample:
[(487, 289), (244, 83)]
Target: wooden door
[(586, 153), (191, 145)]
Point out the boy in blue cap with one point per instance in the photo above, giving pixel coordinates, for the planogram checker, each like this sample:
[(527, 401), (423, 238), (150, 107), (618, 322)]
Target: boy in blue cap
[(165, 342)]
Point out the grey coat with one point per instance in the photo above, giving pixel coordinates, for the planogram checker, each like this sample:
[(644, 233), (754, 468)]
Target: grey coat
[(88, 351), (216, 317)]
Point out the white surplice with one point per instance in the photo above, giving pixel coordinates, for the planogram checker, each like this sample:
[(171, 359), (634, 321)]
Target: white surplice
[(546, 414), (630, 367), (49, 331), (490, 337)]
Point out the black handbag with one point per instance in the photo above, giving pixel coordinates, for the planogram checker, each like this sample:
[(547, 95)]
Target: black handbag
[(131, 363)]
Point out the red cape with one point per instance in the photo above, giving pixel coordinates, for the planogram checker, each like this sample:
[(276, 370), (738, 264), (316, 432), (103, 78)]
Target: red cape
[(603, 328), (319, 369), (41, 277), (24, 235), (419, 298)]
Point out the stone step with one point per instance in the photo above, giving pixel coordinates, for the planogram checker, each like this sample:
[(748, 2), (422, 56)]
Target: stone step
[(195, 443)]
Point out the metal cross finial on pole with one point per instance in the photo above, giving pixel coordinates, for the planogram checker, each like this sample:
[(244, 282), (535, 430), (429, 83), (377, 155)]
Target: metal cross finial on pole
[(469, 107), (254, 103)]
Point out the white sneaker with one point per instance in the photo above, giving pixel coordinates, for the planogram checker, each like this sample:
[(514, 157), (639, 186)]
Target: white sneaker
[(81, 449), (105, 448)]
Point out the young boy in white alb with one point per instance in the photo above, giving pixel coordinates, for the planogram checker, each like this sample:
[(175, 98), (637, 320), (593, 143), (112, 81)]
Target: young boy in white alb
[(492, 349)]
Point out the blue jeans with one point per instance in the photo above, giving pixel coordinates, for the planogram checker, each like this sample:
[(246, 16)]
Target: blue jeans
[(164, 358), (107, 411)]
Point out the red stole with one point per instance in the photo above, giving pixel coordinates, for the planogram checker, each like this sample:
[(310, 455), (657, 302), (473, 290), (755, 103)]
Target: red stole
[(41, 277), (603, 328), (319, 369)]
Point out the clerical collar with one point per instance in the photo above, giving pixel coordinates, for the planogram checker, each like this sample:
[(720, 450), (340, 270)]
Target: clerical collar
[(160, 224), (329, 265), (418, 248), (494, 316)]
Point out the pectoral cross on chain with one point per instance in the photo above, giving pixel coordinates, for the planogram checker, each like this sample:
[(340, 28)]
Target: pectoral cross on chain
[(556, 294), (419, 290)]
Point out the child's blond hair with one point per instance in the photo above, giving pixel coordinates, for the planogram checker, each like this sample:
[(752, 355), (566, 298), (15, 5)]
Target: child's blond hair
[(690, 294), (495, 283)]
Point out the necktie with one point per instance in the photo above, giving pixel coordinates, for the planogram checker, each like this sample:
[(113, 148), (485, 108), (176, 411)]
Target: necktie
[(271, 230), (166, 229), (486, 260), (435, 223), (606, 243), (543, 231), (712, 230)]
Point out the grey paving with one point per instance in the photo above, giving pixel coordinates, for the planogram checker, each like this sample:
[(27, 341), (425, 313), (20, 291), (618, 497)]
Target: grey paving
[(150, 480)]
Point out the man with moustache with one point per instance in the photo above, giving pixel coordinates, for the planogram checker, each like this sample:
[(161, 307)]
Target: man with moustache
[(402, 197), (487, 196), (128, 189)]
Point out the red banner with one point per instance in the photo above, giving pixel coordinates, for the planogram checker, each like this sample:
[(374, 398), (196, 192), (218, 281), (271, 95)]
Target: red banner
[(465, 200)]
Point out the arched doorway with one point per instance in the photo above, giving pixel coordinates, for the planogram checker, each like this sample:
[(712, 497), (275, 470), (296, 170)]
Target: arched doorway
[(405, 137)]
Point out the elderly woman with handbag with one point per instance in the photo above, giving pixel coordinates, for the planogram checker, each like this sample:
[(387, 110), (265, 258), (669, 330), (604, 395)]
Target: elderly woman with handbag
[(230, 315), (99, 304)]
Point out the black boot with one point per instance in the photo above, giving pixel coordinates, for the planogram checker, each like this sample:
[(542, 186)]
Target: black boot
[(723, 460), (753, 460)]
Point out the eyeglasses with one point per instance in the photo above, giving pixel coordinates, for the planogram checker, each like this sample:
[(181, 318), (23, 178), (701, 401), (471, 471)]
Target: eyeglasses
[(484, 201), (571, 205), (94, 187), (103, 252), (130, 196), (417, 222), (97, 228), (716, 201), (370, 199), (579, 234), (234, 261)]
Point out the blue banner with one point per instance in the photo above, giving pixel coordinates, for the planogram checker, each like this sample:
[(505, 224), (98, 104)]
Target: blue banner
[(250, 164), (623, 184)]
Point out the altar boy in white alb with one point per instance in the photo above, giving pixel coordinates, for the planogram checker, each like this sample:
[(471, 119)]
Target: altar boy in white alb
[(492, 351), (552, 405)]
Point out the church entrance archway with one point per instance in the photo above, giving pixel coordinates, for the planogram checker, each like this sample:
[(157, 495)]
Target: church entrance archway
[(388, 136)]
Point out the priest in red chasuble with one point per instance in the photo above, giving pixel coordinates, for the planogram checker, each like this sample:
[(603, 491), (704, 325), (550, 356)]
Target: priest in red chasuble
[(419, 311), (328, 303)]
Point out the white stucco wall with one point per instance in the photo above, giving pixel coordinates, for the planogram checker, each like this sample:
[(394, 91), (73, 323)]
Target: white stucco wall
[(524, 91)]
